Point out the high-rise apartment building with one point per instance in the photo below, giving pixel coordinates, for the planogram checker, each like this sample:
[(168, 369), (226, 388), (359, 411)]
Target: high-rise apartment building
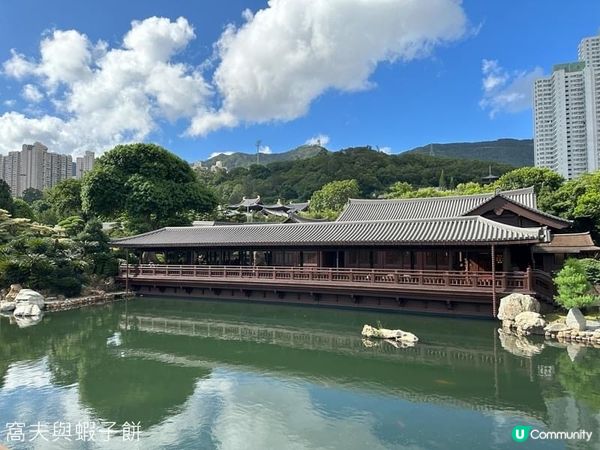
[(84, 163), (34, 167), (566, 112)]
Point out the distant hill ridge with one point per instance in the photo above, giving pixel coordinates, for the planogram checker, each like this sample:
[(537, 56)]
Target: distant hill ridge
[(515, 152), (239, 159)]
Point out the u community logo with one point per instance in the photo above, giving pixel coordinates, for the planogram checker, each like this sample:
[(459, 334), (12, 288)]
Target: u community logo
[(520, 433)]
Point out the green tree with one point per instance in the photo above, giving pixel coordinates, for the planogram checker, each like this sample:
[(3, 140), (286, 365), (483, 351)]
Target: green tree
[(544, 181), (400, 189), (578, 200), (22, 209), (442, 181), (6, 201), (65, 198), (72, 225), (146, 185), (30, 195), (44, 213), (96, 250), (39, 257), (334, 196), (573, 286), (538, 177)]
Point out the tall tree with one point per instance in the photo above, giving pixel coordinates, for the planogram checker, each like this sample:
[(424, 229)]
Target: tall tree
[(333, 196), (442, 182), (6, 201), (30, 195), (146, 185), (65, 198), (542, 179), (22, 209)]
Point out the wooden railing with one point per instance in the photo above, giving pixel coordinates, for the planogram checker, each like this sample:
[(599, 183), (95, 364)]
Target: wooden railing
[(528, 281)]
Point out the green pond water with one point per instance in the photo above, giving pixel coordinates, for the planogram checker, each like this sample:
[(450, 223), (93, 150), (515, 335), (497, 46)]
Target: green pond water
[(180, 374)]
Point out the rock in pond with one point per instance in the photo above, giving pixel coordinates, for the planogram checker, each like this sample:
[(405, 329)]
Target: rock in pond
[(24, 322), (530, 322), (556, 326), (12, 294), (384, 333), (6, 307), (27, 310), (514, 304), (576, 320), (31, 297)]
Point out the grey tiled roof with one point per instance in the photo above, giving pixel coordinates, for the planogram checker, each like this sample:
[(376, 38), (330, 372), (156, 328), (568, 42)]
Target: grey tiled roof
[(428, 208), (447, 231)]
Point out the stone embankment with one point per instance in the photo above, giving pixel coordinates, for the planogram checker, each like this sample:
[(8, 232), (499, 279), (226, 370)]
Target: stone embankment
[(79, 302)]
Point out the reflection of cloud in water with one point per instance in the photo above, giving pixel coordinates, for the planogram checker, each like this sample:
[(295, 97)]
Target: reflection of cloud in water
[(233, 409), (28, 374)]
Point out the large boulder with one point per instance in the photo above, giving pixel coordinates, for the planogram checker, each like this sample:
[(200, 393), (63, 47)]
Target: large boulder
[(530, 322), (384, 333), (6, 307), (26, 310), (556, 326), (30, 297), (12, 294), (514, 304), (576, 320), (24, 322)]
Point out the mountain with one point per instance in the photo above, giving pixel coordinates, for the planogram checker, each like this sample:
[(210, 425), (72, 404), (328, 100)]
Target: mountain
[(515, 152), (296, 180), (239, 159)]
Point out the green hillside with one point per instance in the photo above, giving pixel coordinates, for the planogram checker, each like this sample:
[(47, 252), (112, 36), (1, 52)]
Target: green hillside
[(374, 171), (239, 159), (516, 152)]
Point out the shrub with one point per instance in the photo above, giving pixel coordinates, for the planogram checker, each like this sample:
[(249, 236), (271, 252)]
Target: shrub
[(573, 286), (591, 268)]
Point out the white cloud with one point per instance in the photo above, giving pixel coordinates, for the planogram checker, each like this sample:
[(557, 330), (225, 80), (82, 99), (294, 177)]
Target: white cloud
[(17, 66), (108, 95), (319, 139), (65, 58), (288, 54), (505, 91), (32, 93), (9, 103), (265, 150), (386, 150), (269, 69)]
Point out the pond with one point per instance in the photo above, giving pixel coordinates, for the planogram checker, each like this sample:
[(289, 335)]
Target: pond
[(160, 373)]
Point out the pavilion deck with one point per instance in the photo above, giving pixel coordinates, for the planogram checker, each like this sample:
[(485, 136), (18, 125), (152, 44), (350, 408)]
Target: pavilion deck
[(368, 288)]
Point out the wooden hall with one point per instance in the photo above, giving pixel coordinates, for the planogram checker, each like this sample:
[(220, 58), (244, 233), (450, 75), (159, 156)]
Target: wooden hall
[(452, 255)]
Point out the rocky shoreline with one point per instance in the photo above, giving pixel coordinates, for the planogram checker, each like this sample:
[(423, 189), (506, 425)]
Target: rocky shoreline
[(521, 318), (79, 302), (26, 307)]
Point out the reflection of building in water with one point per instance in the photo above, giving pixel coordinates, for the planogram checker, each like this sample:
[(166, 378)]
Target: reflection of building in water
[(429, 372)]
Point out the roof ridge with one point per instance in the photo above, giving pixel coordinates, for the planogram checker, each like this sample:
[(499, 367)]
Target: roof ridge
[(526, 190), (147, 233)]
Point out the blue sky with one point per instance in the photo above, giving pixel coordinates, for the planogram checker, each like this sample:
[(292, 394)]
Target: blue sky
[(389, 73)]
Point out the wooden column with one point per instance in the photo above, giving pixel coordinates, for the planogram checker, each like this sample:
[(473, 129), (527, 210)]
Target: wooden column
[(494, 280), (126, 270)]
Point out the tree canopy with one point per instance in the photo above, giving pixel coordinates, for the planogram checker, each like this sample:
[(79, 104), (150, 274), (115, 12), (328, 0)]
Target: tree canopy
[(333, 196), (573, 285), (147, 186), (6, 201), (30, 195), (374, 172)]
